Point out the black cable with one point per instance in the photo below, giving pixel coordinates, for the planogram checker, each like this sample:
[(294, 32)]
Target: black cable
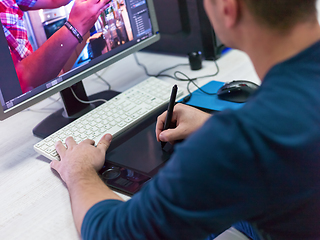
[(160, 73), (102, 79), (167, 69), (190, 80)]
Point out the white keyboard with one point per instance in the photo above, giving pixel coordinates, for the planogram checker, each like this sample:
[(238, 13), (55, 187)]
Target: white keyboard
[(115, 116)]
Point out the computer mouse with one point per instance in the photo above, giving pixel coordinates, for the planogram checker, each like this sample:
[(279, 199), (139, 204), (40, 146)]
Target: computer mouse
[(237, 91)]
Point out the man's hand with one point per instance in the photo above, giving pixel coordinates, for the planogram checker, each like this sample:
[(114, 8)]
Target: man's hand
[(78, 168), (187, 120), (79, 159), (85, 13)]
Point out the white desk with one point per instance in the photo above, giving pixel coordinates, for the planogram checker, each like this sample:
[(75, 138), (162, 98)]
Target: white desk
[(34, 202)]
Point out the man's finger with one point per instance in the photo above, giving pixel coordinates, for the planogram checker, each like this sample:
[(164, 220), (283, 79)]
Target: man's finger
[(70, 142), (104, 142), (160, 124), (88, 141), (54, 164), (172, 134), (97, 4), (60, 148)]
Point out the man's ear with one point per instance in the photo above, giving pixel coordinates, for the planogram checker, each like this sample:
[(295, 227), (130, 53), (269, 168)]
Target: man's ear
[(231, 12)]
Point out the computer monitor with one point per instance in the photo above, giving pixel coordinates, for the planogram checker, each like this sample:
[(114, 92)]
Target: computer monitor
[(116, 35)]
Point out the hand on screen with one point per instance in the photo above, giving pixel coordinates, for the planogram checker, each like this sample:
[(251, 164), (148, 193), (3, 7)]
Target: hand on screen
[(186, 120), (85, 13), (78, 159)]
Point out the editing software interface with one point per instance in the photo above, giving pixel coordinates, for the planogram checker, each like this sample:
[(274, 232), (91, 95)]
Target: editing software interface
[(123, 24)]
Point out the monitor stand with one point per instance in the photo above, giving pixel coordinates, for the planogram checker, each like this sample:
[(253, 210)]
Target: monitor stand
[(72, 110)]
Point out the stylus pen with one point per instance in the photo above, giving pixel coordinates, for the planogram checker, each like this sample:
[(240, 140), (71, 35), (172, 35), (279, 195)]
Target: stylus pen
[(170, 110)]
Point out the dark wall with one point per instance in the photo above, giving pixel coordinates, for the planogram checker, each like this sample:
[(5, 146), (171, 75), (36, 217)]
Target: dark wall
[(185, 27)]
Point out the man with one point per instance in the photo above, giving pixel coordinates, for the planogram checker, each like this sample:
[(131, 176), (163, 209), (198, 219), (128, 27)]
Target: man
[(36, 68), (259, 163)]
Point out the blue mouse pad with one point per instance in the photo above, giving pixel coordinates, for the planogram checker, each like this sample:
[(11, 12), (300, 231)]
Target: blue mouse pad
[(211, 102)]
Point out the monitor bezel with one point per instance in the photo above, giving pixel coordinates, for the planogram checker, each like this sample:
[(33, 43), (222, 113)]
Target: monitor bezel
[(4, 114)]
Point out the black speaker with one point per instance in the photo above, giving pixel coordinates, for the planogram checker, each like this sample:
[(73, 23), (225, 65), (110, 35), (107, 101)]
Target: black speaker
[(184, 28)]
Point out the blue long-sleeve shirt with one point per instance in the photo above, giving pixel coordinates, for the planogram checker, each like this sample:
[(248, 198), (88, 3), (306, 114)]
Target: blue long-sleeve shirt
[(260, 163)]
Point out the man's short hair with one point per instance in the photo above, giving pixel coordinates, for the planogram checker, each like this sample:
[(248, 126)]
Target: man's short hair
[(282, 14)]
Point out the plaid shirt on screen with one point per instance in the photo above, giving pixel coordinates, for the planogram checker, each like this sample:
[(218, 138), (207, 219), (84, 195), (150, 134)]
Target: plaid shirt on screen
[(14, 28)]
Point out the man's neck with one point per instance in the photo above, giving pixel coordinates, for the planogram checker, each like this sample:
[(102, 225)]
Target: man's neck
[(267, 49)]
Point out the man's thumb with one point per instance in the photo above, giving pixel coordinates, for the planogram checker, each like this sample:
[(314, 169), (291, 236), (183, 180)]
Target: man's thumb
[(104, 142)]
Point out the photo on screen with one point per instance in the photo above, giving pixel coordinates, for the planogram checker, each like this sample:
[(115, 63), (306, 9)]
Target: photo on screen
[(121, 25)]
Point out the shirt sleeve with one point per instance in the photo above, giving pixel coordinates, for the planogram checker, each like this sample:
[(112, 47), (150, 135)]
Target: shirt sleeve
[(26, 3), (14, 28), (259, 163), (203, 189)]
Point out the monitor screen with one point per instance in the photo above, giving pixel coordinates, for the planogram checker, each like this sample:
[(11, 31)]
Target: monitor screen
[(125, 26)]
